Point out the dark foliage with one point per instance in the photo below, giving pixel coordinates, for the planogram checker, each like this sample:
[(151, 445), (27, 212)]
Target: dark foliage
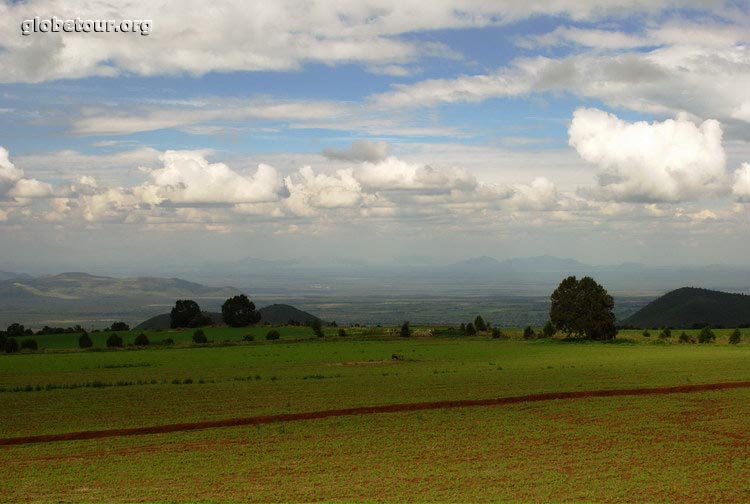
[(470, 329), (706, 335), (273, 334), (405, 331), (528, 333), (84, 341), (735, 337), (342, 332), (583, 308), (11, 345), (199, 337), (114, 341), (187, 313), (141, 340), (239, 311), (549, 329), (317, 328), (29, 344), (119, 326), (480, 324)]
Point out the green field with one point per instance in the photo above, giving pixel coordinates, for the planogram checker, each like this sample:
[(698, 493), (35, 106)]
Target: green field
[(678, 448)]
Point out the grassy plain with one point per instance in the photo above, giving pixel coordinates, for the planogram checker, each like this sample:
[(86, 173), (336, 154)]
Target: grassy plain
[(681, 448)]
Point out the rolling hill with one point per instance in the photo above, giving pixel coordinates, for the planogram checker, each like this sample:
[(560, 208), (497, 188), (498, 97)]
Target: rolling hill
[(272, 314), (690, 306)]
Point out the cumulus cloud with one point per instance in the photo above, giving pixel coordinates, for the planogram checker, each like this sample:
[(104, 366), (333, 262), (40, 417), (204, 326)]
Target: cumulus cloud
[(309, 192), (741, 187), (14, 185), (673, 160), (395, 174), (540, 194), (187, 177), (360, 150)]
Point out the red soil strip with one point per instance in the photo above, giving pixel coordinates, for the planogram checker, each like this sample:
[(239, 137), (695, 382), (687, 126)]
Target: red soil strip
[(367, 410)]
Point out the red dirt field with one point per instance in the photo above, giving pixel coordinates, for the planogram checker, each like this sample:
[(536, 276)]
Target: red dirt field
[(367, 410)]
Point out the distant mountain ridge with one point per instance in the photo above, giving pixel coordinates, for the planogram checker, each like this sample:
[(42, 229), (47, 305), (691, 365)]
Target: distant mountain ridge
[(691, 306), (272, 314)]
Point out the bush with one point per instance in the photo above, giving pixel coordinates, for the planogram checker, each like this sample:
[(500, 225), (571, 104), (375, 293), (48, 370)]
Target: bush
[(342, 333), (317, 328), (141, 340), (647, 334), (239, 311), (665, 333), (167, 341), (528, 333), (114, 341), (29, 344), (496, 333), (119, 326), (735, 337), (248, 337), (273, 334), (462, 328), (11, 345), (470, 329), (480, 324), (405, 331), (84, 341), (706, 335), (199, 337), (684, 338)]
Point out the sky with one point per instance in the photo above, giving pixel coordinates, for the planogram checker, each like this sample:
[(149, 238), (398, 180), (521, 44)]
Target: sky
[(375, 130)]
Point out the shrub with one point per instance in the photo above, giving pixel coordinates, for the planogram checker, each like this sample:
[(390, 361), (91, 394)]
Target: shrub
[(470, 329), (342, 332), (84, 341), (647, 334), (706, 335), (141, 340), (496, 333), (462, 328), (199, 337), (317, 328), (119, 326), (735, 337), (528, 333), (248, 337), (666, 332), (273, 334), (480, 324), (29, 344), (114, 341), (167, 341), (405, 331), (684, 338), (11, 345)]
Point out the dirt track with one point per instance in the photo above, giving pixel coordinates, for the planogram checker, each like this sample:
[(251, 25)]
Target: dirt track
[(367, 410)]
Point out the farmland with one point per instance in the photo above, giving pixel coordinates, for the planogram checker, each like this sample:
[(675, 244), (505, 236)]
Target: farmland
[(679, 447)]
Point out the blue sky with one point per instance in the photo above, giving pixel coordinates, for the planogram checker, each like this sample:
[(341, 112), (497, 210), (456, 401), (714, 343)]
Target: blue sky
[(622, 126)]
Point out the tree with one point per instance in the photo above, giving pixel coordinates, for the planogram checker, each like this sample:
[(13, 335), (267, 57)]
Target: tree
[(141, 340), (29, 344), (15, 330), (666, 333), (528, 333), (187, 313), (480, 324), (342, 332), (239, 311), (583, 309), (462, 328), (735, 337), (119, 326), (470, 329), (496, 333), (317, 328), (706, 335), (549, 329), (647, 334), (684, 338), (11, 345), (199, 337), (273, 334), (84, 341), (405, 329), (114, 341)]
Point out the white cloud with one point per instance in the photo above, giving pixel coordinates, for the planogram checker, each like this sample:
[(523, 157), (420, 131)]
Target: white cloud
[(14, 185), (187, 177), (741, 187), (395, 174), (309, 192), (540, 194), (280, 35), (673, 160), (30, 188)]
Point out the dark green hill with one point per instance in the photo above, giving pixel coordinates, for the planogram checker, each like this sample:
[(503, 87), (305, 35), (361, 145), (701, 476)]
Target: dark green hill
[(690, 306), (272, 314)]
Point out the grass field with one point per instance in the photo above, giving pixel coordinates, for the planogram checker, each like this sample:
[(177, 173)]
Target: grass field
[(682, 448)]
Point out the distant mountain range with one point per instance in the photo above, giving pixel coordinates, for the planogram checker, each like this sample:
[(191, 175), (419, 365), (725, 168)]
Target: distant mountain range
[(272, 314), (689, 307)]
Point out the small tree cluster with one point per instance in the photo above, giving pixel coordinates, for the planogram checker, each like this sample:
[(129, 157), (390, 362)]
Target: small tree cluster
[(528, 333), (84, 340), (273, 334), (141, 340), (405, 330), (735, 337), (187, 313), (239, 311), (317, 328), (118, 326), (479, 324), (29, 344), (665, 333), (114, 341), (706, 335), (199, 337)]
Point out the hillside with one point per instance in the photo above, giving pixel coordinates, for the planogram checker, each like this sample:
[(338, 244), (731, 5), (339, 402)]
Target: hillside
[(272, 314), (93, 300), (691, 306)]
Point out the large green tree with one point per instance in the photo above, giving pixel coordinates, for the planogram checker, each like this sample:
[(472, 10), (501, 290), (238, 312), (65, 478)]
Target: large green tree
[(187, 313), (582, 308), (239, 311)]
